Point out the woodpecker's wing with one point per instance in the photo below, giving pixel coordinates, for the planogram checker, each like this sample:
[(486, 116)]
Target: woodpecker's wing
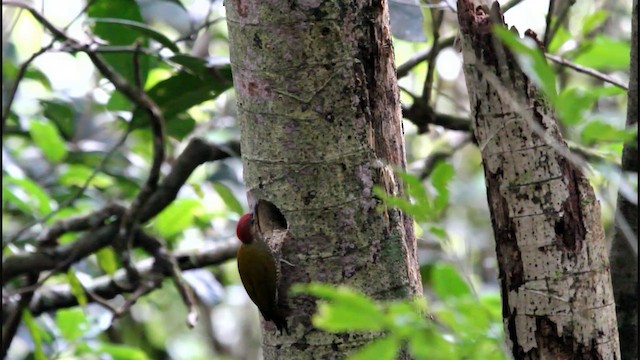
[(259, 275)]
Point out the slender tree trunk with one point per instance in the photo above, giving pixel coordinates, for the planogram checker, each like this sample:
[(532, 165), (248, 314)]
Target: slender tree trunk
[(552, 255), (623, 257), (320, 121)]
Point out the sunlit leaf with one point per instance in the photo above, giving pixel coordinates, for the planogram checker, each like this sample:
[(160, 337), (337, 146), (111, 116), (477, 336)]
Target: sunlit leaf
[(76, 287), (593, 20), (345, 309), (121, 352), (598, 131), (229, 199), (35, 196), (71, 322), (36, 334), (77, 175), (48, 139), (177, 217), (447, 282), (605, 53), (440, 176), (384, 348), (107, 260)]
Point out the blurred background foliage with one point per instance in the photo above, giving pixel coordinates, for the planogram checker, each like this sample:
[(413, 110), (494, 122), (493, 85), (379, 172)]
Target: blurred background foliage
[(72, 144)]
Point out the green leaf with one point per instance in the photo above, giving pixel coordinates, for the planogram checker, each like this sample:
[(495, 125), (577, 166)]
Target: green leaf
[(77, 175), (36, 334), (559, 39), (76, 288), (177, 217), (38, 200), (430, 345), (116, 34), (121, 352), (440, 177), (572, 104), (142, 29), (62, 114), (605, 53), (107, 260), (180, 92), (384, 348), (347, 310), (598, 131), (195, 65), (592, 21), (48, 139), (229, 199), (447, 282), (72, 323), (531, 60)]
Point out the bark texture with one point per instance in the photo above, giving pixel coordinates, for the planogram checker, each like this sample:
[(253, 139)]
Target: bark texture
[(320, 122), (552, 254), (623, 257)]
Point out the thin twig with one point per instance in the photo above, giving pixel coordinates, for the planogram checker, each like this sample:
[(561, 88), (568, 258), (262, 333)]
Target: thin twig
[(14, 89), (403, 70), (585, 70), (436, 18)]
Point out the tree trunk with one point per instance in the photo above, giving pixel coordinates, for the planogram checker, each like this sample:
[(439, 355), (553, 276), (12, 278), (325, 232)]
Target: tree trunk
[(623, 257), (320, 123), (552, 254)]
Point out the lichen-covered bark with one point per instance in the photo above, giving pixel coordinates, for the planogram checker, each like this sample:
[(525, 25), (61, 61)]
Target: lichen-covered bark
[(553, 264), (623, 257), (320, 121)]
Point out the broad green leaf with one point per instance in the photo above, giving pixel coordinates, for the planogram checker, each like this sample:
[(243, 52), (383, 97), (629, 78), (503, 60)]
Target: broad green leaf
[(229, 199), (72, 323), (430, 345), (346, 309), (598, 131), (107, 260), (62, 114), (384, 348), (195, 65), (447, 282), (572, 104), (48, 139), (592, 21), (37, 199), (142, 29), (559, 39), (116, 34), (405, 318), (121, 352), (77, 175), (36, 334), (440, 177), (531, 60), (76, 288), (605, 53), (177, 217), (180, 92)]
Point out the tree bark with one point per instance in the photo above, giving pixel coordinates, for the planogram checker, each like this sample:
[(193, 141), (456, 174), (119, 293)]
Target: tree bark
[(552, 254), (624, 259), (320, 121)]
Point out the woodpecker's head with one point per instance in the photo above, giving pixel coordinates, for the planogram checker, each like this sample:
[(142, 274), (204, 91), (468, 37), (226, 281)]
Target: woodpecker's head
[(243, 229)]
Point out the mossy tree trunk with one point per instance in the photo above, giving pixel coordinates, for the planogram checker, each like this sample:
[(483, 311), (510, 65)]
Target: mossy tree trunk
[(320, 122), (552, 254)]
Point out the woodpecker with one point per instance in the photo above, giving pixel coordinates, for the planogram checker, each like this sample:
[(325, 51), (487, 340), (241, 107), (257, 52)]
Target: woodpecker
[(259, 272)]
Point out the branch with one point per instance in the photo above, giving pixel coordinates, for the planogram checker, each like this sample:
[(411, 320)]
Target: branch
[(403, 70), (54, 297), (196, 153), (585, 70)]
